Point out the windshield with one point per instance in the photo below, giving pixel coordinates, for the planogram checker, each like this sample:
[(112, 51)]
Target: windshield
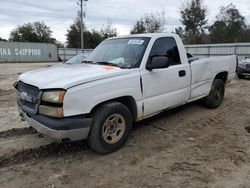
[(120, 52), (77, 59)]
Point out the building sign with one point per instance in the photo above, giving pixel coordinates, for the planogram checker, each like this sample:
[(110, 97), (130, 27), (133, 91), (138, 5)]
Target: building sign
[(27, 52), (32, 52)]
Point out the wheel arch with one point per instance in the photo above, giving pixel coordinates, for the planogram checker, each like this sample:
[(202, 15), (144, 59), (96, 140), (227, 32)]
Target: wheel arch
[(128, 101), (222, 76)]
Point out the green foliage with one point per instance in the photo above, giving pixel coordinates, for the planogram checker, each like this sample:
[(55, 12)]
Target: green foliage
[(229, 26), (179, 31), (139, 27), (149, 23), (59, 44), (193, 17), (32, 32), (91, 38), (73, 35), (95, 39), (245, 37), (108, 30), (1, 39)]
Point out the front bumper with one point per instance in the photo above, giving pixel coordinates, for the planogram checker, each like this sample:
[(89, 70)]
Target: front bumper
[(72, 128)]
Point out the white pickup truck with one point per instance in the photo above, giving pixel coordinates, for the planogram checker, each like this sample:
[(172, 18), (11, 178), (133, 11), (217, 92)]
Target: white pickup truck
[(124, 80)]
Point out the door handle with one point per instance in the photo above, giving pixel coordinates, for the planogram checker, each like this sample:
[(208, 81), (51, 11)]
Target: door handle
[(182, 73)]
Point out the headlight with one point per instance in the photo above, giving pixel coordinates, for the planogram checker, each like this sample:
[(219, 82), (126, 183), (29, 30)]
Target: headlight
[(51, 111), (53, 96), (52, 103)]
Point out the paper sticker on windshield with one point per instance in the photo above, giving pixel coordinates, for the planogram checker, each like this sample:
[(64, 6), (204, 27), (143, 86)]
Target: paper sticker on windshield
[(136, 41)]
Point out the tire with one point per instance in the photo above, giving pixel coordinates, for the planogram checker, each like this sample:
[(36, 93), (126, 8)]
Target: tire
[(112, 124), (215, 98), (240, 76)]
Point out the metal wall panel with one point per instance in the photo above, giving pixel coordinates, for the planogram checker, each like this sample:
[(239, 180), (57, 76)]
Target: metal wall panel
[(240, 49), (223, 50), (243, 50), (28, 52), (66, 53), (201, 51)]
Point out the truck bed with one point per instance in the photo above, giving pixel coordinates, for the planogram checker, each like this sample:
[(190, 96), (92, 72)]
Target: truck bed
[(204, 71)]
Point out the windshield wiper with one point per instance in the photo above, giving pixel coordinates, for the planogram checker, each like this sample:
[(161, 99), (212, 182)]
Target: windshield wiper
[(88, 62), (107, 63)]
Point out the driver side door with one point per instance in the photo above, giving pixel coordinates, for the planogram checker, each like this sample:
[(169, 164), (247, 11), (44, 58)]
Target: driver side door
[(166, 87)]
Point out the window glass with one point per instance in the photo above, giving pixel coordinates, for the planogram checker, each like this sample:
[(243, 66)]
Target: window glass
[(166, 47), (77, 59), (125, 52)]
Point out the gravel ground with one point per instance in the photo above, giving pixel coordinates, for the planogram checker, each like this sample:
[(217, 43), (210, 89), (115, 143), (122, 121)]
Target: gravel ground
[(190, 146)]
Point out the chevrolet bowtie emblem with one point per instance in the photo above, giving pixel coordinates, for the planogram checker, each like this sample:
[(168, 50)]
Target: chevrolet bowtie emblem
[(24, 96)]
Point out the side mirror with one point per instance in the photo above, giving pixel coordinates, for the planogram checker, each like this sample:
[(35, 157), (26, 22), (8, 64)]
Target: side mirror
[(158, 62)]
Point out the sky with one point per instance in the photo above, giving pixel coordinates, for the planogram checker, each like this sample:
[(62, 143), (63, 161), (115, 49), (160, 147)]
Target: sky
[(60, 14)]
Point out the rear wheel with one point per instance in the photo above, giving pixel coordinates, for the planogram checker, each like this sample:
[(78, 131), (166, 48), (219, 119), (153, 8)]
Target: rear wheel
[(112, 124), (215, 98)]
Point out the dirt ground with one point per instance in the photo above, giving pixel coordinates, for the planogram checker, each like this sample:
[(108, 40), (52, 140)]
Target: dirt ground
[(186, 147)]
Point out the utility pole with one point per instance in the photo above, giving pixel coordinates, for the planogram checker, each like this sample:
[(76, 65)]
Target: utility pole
[(82, 14)]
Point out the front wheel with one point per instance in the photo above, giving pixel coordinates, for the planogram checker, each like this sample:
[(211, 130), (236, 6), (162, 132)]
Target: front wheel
[(216, 95), (112, 124)]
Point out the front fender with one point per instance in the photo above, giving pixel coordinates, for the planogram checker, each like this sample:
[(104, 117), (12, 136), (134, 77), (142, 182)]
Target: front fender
[(83, 98)]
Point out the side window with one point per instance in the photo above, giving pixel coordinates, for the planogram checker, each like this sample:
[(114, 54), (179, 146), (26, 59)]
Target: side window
[(166, 47)]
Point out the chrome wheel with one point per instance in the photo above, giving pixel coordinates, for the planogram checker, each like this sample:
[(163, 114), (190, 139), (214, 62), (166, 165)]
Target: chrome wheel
[(113, 128), (218, 94)]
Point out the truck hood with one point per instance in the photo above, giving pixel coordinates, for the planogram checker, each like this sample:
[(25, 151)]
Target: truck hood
[(67, 75)]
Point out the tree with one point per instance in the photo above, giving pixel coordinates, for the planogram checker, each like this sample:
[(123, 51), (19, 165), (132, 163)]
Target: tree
[(245, 37), (229, 25), (193, 17), (108, 30), (32, 32), (95, 39), (179, 31), (1, 39), (149, 23), (73, 36), (139, 27), (59, 44), (217, 32)]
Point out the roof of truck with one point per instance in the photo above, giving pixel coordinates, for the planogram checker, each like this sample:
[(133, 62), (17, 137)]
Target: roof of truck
[(148, 35)]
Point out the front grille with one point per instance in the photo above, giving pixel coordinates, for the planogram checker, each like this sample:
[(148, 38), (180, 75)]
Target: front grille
[(248, 66), (29, 89), (29, 103)]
